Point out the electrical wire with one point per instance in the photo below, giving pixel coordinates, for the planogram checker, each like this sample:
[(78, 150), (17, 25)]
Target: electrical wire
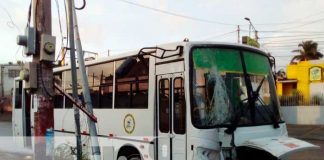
[(297, 41), (29, 14), (288, 43), (10, 23), (60, 25), (59, 18), (221, 35), (67, 35), (65, 50), (66, 23), (292, 41), (305, 24), (285, 56), (303, 35), (278, 31), (290, 22), (176, 14), (82, 7), (61, 31)]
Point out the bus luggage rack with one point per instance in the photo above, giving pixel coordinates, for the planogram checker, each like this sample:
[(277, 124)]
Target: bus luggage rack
[(142, 52), (76, 103)]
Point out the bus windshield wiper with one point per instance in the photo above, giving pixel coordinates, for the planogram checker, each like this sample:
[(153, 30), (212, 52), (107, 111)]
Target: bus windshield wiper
[(255, 94)]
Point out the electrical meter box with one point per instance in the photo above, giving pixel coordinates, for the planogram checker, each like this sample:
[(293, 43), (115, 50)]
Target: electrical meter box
[(29, 75), (28, 41), (47, 51)]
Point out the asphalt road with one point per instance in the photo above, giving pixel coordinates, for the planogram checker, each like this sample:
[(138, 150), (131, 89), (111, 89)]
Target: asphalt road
[(312, 134), (8, 149)]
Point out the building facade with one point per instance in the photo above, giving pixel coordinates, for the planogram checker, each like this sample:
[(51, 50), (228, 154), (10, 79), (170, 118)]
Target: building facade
[(305, 78), (7, 74)]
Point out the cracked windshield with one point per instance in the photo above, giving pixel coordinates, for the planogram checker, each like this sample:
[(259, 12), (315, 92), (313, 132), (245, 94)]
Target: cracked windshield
[(228, 91)]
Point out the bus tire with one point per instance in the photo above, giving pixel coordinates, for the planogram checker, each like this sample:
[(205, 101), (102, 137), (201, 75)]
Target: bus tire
[(128, 153), (131, 158), (122, 158)]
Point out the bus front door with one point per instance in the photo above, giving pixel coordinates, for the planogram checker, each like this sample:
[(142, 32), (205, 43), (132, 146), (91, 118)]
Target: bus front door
[(171, 128)]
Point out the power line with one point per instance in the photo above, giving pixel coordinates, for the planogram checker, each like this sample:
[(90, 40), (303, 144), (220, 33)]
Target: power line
[(289, 42), (59, 18), (10, 23), (303, 35), (273, 46), (291, 22), (176, 14), (221, 35), (60, 26), (278, 31), (305, 24)]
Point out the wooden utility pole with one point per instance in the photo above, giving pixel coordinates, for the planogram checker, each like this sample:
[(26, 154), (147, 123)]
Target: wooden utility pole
[(44, 117)]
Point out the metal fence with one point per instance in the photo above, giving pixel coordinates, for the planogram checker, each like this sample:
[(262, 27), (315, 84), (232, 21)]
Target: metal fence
[(300, 100)]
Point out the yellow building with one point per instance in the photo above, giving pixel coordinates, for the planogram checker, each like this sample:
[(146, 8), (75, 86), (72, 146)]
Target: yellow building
[(304, 77)]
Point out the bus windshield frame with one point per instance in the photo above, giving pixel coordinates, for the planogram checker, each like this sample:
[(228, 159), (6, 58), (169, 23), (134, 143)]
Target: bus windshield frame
[(234, 88)]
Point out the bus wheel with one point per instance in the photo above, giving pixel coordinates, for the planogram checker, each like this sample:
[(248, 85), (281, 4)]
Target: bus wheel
[(129, 158), (135, 157), (128, 153), (122, 158)]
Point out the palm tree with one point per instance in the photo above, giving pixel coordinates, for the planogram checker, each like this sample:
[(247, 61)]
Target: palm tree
[(307, 52)]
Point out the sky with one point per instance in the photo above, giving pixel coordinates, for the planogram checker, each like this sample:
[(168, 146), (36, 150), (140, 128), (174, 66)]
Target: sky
[(124, 25)]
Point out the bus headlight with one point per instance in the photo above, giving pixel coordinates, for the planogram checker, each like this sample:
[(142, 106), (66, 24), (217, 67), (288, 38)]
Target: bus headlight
[(206, 154)]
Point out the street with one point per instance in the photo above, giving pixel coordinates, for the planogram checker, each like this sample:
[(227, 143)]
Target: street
[(8, 149), (312, 134)]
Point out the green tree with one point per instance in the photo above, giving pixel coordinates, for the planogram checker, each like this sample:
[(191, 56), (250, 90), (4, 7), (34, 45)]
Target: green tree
[(308, 51)]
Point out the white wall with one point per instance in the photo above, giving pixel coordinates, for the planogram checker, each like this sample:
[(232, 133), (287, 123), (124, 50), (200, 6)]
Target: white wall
[(6, 79), (308, 115), (316, 88)]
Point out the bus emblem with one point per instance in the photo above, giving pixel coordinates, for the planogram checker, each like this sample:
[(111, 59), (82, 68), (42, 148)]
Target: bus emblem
[(129, 123)]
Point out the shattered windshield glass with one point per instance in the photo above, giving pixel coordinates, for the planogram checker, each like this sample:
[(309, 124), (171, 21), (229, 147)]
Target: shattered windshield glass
[(225, 89)]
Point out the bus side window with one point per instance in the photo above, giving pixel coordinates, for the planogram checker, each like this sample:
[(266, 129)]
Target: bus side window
[(179, 115), (58, 97), (101, 78), (131, 89), (58, 101), (164, 105)]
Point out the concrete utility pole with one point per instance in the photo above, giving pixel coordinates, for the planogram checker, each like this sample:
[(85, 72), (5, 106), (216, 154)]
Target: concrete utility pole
[(44, 117), (238, 34), (70, 7), (85, 89)]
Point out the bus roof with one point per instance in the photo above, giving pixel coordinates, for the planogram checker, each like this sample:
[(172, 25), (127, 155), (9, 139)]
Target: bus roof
[(166, 46)]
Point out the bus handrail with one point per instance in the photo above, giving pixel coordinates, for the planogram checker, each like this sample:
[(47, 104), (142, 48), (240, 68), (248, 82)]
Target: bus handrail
[(155, 49)]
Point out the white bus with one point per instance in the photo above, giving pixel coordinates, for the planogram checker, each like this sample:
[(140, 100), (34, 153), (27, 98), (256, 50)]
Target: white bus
[(185, 100)]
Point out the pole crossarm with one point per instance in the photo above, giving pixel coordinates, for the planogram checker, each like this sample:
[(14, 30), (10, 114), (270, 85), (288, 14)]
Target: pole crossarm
[(76, 103)]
